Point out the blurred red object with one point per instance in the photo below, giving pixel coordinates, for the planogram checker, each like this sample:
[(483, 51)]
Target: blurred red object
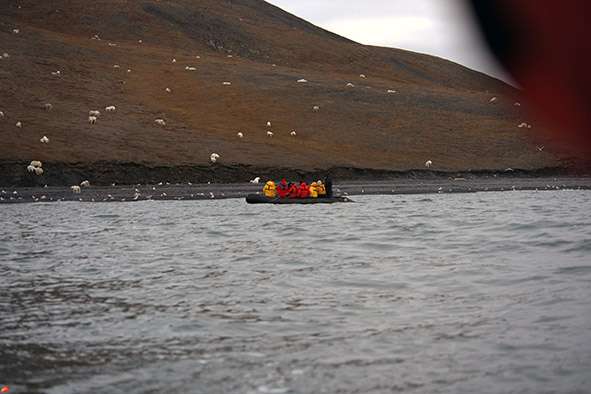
[(546, 47)]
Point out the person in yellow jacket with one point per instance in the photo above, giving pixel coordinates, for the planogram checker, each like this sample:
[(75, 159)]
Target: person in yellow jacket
[(321, 189), (313, 190), (269, 189)]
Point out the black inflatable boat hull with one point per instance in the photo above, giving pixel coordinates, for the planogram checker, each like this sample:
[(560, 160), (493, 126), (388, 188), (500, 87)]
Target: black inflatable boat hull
[(262, 199)]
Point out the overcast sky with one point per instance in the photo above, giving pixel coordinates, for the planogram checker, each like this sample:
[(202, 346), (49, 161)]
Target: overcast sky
[(443, 28)]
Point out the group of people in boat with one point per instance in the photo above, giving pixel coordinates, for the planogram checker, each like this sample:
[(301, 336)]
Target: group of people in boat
[(317, 189)]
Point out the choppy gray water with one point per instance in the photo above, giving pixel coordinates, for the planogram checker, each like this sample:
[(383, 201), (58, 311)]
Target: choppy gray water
[(486, 292)]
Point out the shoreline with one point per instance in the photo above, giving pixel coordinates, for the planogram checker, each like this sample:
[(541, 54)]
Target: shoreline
[(13, 174), (188, 191)]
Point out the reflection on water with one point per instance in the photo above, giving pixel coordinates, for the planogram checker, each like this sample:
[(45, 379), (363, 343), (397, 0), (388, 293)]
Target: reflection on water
[(454, 293)]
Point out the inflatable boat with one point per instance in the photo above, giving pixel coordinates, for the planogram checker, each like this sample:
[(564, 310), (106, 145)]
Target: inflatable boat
[(262, 199)]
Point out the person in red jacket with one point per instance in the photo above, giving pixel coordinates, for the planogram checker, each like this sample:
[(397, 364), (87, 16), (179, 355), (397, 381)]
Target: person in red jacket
[(282, 189), (292, 190), (303, 190)]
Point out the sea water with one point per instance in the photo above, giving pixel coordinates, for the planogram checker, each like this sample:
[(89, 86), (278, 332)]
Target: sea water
[(463, 293)]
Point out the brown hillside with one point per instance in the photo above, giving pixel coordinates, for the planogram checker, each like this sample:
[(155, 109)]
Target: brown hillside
[(439, 111)]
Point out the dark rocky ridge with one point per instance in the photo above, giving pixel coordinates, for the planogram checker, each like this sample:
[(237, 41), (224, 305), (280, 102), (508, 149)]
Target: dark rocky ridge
[(440, 111), (108, 173)]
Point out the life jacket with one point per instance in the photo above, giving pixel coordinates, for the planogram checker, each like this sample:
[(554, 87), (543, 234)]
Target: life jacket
[(313, 190), (321, 189), (303, 190), (293, 191), (269, 189), (282, 189)]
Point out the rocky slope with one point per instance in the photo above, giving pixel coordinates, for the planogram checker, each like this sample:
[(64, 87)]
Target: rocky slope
[(380, 109)]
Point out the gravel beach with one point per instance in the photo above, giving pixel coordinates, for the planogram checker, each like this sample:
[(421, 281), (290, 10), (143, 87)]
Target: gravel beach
[(167, 191)]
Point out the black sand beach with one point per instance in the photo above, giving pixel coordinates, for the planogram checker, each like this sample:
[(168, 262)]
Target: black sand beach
[(168, 191)]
